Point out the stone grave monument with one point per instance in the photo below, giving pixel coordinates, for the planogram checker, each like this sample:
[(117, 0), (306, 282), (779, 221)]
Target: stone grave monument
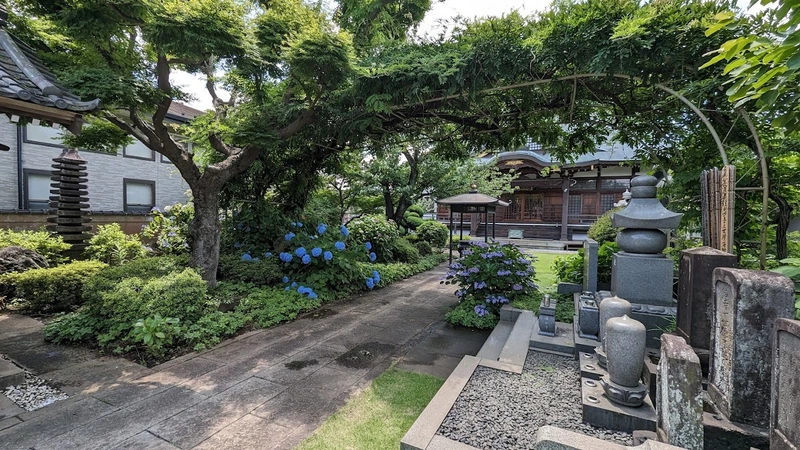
[(640, 272), (785, 410), (625, 351), (695, 294), (679, 404), (547, 316), (610, 308), (590, 265)]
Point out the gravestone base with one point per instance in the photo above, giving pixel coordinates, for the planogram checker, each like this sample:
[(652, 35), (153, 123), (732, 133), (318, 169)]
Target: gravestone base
[(569, 288), (645, 279), (582, 345), (590, 368), (599, 411), (720, 433), (656, 319), (560, 343), (650, 373)]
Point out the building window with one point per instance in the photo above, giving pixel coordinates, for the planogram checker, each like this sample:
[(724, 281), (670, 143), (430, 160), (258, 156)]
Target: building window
[(138, 195), (607, 202), (37, 134), (575, 204), (139, 151), (36, 189), (619, 184)]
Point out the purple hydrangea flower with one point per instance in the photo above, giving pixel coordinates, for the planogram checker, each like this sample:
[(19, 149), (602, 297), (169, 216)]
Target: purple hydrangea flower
[(517, 287), (502, 273), (480, 310), (480, 284)]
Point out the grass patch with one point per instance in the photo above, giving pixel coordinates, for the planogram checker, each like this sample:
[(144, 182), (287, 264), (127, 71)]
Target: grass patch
[(565, 309), (378, 417), (543, 265)]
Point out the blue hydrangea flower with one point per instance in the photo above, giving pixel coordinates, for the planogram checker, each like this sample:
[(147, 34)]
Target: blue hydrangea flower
[(287, 288), (480, 284), (474, 269), (294, 284), (268, 255), (247, 257), (285, 257), (368, 245), (517, 287), (237, 245), (285, 279), (256, 259), (288, 236), (372, 256), (300, 251), (322, 228), (299, 224), (480, 310), (302, 290), (344, 230), (306, 259), (502, 273), (316, 251), (313, 295), (376, 276), (294, 224), (339, 245), (370, 283), (327, 256)]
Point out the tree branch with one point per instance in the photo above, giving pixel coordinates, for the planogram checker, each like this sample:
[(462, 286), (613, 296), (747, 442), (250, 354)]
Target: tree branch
[(303, 120)]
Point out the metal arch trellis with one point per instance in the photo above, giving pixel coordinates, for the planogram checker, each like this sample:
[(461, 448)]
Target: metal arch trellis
[(745, 116)]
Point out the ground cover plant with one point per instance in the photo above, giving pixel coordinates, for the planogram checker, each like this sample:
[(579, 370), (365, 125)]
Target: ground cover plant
[(488, 276), (42, 242), (378, 417)]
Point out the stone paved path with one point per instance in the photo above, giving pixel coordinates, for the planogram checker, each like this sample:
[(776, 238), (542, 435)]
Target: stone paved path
[(268, 389)]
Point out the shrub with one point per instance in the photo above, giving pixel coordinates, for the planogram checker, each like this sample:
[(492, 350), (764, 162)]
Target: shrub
[(464, 314), (169, 230), (156, 333), (265, 271), (601, 230), (404, 251), (569, 269), (490, 275), (424, 248), (51, 247), (145, 268), (111, 246), (791, 268), (253, 227), (413, 216), (210, 329), (456, 240), (54, 289), (270, 306), (377, 230), (434, 233)]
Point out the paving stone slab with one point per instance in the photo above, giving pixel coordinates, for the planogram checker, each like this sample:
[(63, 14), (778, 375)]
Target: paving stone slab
[(8, 408), (9, 422), (563, 342), (30, 351), (52, 421), (516, 347), (145, 441), (300, 365), (227, 376), (198, 422), (435, 364), (248, 433), (121, 425), (353, 336), (245, 349), (96, 375), (14, 324), (10, 374)]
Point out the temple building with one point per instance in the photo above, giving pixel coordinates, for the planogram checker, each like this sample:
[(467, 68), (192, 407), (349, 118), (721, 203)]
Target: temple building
[(554, 200)]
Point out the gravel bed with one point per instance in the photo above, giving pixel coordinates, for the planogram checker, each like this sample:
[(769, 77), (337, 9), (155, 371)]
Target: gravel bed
[(34, 393), (501, 410)]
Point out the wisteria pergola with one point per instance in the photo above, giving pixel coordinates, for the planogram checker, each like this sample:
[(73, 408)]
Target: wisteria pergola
[(472, 202)]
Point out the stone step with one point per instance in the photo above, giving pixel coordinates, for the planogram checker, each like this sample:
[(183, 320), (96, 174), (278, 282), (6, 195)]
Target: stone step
[(10, 374), (494, 343), (515, 349)]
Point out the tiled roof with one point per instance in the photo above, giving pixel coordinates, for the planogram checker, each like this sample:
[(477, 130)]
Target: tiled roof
[(179, 111), (24, 77), (606, 153)]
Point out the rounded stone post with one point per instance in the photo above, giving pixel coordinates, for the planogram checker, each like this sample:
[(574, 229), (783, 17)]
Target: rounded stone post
[(610, 307), (625, 349)]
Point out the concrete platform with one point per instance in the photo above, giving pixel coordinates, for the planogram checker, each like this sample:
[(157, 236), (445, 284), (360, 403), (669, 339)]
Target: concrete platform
[(10, 374), (562, 343), (515, 349), (599, 411), (582, 345), (589, 367)]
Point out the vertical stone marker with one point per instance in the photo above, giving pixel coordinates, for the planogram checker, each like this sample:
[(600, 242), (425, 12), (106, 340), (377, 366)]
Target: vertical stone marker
[(747, 303), (679, 405), (590, 265), (785, 422)]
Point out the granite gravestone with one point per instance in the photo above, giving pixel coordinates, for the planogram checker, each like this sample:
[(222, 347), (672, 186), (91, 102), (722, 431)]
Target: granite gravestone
[(625, 350), (547, 316), (746, 305), (679, 401), (785, 411), (590, 265), (610, 307)]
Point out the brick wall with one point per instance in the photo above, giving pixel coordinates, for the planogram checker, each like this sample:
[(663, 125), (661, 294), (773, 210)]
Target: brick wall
[(34, 220)]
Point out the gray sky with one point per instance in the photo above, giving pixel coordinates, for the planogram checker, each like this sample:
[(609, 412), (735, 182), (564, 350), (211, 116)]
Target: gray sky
[(431, 24)]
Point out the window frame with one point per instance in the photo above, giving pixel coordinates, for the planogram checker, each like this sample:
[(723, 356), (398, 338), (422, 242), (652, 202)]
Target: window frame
[(26, 140), (26, 189), (142, 158), (126, 181)]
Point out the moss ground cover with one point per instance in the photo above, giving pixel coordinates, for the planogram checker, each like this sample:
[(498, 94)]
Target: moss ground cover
[(378, 417)]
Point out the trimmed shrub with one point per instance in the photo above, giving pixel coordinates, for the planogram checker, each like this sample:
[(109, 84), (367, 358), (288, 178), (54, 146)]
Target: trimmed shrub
[(434, 233), (377, 230), (54, 289), (264, 272), (601, 230), (404, 251), (413, 216), (424, 248), (111, 246), (51, 247)]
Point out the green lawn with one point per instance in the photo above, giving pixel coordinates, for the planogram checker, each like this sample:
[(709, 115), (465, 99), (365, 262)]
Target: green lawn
[(377, 418), (544, 268)]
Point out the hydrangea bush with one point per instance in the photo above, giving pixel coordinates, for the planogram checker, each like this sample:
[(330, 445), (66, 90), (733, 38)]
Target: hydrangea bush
[(488, 276), (168, 230), (378, 231)]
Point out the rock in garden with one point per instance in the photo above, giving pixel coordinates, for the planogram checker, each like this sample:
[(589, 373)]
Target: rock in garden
[(18, 259)]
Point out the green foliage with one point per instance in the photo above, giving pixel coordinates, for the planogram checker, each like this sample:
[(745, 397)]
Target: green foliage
[(464, 315), (491, 275), (42, 242), (253, 227), (377, 230), (413, 216), (100, 136), (569, 269), (169, 230), (434, 233), (111, 246), (213, 327), (271, 306), (156, 333), (791, 268), (565, 310), (264, 272), (601, 230), (404, 251), (391, 272), (75, 327), (424, 248), (54, 289)]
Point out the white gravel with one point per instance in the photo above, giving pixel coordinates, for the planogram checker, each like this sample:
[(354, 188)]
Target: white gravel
[(34, 393), (501, 410)]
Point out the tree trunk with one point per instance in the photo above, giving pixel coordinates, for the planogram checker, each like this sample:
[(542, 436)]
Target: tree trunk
[(782, 221), (205, 231)]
